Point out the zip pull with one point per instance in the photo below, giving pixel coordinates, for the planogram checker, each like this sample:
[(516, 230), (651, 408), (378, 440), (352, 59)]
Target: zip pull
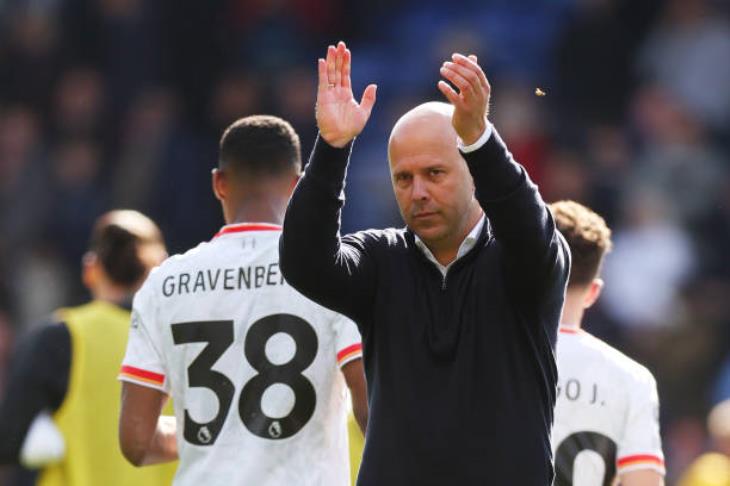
[(443, 280)]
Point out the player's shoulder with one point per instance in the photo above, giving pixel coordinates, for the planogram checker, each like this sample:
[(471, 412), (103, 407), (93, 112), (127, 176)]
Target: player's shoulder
[(175, 262), (630, 369)]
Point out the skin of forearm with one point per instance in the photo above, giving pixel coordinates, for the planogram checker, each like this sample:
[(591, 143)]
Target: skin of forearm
[(361, 416), (641, 478), (163, 446)]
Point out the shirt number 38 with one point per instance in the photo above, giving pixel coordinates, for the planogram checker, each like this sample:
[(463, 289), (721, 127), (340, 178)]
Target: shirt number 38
[(219, 337)]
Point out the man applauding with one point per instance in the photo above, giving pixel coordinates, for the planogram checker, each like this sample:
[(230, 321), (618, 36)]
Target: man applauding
[(459, 310)]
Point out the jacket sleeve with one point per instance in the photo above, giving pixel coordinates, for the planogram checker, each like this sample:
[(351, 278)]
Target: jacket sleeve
[(336, 272), (37, 381), (521, 222)]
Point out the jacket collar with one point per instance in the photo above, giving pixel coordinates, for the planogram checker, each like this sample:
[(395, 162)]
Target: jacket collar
[(469, 242), (484, 235)]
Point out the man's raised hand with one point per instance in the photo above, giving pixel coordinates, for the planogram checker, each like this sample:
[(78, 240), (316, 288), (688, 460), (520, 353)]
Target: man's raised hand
[(471, 102), (339, 117)]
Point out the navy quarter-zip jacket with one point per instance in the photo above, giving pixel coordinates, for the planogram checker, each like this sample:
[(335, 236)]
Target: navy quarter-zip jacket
[(460, 370)]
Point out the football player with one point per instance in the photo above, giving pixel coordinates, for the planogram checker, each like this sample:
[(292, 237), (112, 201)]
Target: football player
[(253, 366), (607, 412)]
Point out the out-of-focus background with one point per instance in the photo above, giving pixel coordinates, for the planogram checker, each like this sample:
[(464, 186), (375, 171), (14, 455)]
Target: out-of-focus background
[(120, 103)]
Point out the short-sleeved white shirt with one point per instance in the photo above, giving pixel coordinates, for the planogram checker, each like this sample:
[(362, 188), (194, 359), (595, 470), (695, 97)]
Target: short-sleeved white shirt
[(251, 364), (606, 415)]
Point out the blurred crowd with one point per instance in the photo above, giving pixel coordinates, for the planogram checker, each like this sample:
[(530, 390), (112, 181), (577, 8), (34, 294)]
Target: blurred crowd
[(120, 103)]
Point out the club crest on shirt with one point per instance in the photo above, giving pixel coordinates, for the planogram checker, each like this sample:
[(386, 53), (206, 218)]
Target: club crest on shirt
[(204, 435), (275, 429)]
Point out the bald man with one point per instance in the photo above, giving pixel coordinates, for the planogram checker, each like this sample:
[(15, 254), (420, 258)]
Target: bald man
[(459, 310)]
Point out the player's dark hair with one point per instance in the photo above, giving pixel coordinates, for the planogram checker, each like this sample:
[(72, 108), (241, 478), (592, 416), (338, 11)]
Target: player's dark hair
[(116, 241), (588, 237), (260, 145)]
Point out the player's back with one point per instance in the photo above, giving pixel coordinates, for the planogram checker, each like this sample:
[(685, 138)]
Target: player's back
[(606, 414), (251, 364)]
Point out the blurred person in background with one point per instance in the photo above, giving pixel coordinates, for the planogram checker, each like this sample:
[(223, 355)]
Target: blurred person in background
[(158, 168), (593, 55), (77, 197), (609, 155), (67, 368), (294, 94), (677, 158), (80, 106), (568, 176), (25, 185), (149, 137), (607, 403), (236, 92), (524, 128), (652, 258), (279, 360), (713, 468), (31, 41), (130, 44), (687, 51)]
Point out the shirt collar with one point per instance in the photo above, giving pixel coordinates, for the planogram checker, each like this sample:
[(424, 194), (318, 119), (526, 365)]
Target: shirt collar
[(244, 227), (569, 328), (469, 242)]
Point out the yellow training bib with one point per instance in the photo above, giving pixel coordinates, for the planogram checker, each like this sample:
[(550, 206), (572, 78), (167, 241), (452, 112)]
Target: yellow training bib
[(89, 415)]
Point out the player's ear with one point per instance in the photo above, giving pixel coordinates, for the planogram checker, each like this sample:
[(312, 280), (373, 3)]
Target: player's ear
[(294, 182), (218, 181), (90, 270), (594, 291)]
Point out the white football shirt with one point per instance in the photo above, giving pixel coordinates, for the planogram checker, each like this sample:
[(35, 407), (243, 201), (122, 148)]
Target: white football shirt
[(606, 415), (251, 364)]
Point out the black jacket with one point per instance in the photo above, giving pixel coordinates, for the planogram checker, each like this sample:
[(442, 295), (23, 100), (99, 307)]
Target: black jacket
[(37, 382), (461, 372)]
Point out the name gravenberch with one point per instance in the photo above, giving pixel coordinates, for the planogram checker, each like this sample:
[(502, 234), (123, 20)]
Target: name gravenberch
[(210, 280)]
